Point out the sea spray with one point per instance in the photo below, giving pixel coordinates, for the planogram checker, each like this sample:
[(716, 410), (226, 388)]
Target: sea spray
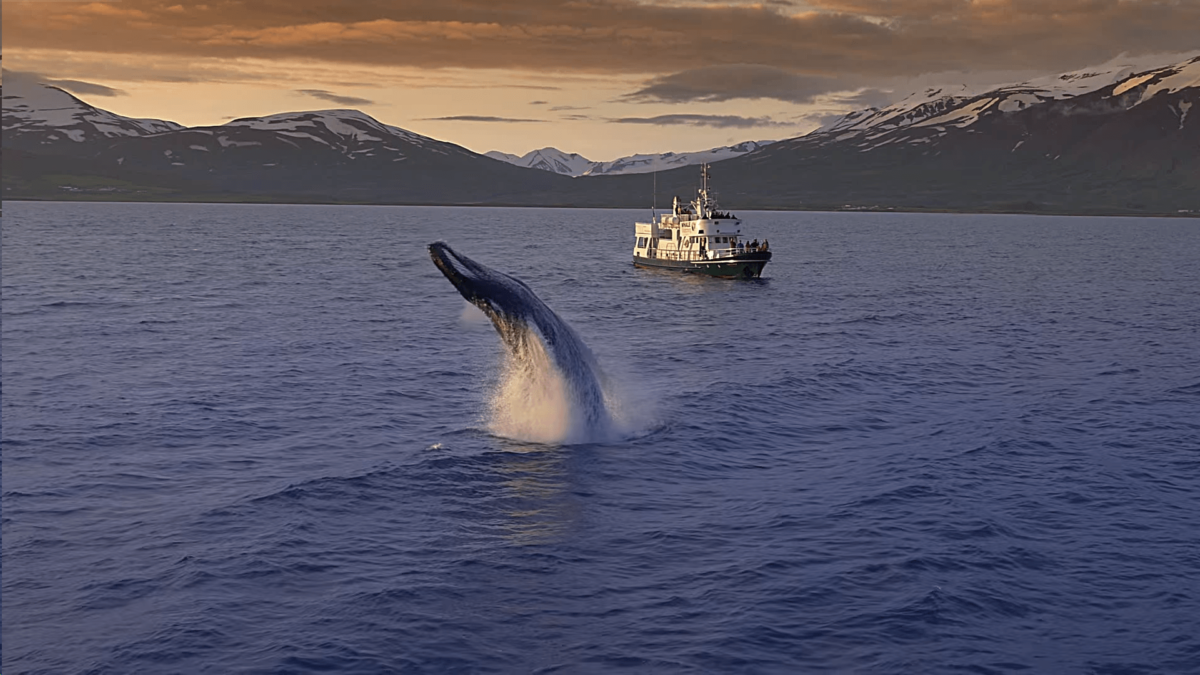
[(532, 400)]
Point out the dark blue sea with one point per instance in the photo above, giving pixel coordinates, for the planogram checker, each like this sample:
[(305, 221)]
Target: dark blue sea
[(264, 439)]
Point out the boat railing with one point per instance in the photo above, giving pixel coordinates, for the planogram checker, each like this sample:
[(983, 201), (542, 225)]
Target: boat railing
[(695, 256)]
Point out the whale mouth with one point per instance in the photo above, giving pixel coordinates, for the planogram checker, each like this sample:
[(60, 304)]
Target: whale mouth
[(455, 268)]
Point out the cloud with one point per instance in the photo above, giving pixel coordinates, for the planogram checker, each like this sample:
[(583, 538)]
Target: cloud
[(696, 120), (865, 98), (476, 118), (74, 86), (539, 102), (792, 45), (335, 98), (723, 83), (85, 88)]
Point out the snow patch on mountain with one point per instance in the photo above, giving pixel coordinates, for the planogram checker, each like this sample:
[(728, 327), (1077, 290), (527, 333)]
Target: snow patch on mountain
[(1131, 83)]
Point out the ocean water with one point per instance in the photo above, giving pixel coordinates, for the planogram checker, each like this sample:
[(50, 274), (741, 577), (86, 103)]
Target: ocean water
[(268, 439)]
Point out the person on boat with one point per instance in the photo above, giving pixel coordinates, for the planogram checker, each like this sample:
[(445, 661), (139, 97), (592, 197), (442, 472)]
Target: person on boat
[(766, 246), (754, 245)]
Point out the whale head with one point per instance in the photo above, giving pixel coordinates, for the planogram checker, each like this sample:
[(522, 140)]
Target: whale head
[(499, 295)]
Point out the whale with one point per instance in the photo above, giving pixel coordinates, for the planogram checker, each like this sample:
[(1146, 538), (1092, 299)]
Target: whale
[(521, 317)]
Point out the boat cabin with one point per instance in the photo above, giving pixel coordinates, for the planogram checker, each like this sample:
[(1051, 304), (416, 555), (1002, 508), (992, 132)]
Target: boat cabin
[(688, 233)]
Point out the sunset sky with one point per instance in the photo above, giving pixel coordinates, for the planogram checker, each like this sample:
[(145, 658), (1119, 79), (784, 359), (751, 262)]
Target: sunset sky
[(603, 78)]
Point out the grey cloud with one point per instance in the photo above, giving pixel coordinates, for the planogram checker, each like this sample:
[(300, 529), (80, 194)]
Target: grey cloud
[(827, 119), (476, 118), (85, 88), (721, 121), (867, 98), (74, 86), (724, 83), (334, 98)]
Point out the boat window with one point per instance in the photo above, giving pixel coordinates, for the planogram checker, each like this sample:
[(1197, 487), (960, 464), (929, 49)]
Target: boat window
[(666, 234)]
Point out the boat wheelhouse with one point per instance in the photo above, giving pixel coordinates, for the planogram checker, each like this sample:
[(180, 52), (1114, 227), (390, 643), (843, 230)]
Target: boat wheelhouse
[(698, 237)]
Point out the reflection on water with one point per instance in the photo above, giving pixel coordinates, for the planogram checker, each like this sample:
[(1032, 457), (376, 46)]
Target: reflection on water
[(700, 284), (539, 507)]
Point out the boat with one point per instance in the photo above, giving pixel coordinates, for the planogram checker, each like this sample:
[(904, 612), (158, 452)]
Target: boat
[(700, 238)]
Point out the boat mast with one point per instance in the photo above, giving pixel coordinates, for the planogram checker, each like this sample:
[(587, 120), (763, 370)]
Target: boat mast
[(703, 202)]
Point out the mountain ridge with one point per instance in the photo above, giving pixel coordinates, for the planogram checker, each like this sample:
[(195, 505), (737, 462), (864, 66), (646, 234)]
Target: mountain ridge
[(575, 165), (1060, 145)]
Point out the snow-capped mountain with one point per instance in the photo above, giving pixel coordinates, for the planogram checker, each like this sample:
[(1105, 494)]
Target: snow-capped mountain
[(352, 133), (572, 164), (328, 155), (923, 117), (42, 117), (547, 159), (1085, 142), (298, 139), (673, 160), (1104, 140)]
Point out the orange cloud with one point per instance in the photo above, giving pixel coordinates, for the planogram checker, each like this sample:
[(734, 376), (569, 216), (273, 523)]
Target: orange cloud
[(832, 38), (107, 10)]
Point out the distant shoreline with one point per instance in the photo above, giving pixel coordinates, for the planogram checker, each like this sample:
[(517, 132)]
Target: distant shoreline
[(193, 199)]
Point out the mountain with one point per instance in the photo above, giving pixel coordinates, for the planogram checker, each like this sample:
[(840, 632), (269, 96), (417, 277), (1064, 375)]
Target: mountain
[(547, 159), (56, 143), (671, 160), (1114, 142), (937, 108), (572, 164), (1128, 145)]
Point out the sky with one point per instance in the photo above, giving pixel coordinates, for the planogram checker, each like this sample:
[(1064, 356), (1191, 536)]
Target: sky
[(603, 78)]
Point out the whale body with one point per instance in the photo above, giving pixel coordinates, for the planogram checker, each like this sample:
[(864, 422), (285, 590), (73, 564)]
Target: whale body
[(520, 317)]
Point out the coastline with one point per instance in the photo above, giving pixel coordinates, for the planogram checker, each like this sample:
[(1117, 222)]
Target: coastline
[(1037, 210)]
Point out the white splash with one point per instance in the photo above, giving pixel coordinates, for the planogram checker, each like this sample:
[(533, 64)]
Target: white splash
[(532, 401)]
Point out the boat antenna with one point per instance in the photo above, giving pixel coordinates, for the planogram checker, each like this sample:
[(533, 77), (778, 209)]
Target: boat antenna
[(654, 197)]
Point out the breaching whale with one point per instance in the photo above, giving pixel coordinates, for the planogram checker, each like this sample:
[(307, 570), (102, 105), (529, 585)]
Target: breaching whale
[(521, 317)]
